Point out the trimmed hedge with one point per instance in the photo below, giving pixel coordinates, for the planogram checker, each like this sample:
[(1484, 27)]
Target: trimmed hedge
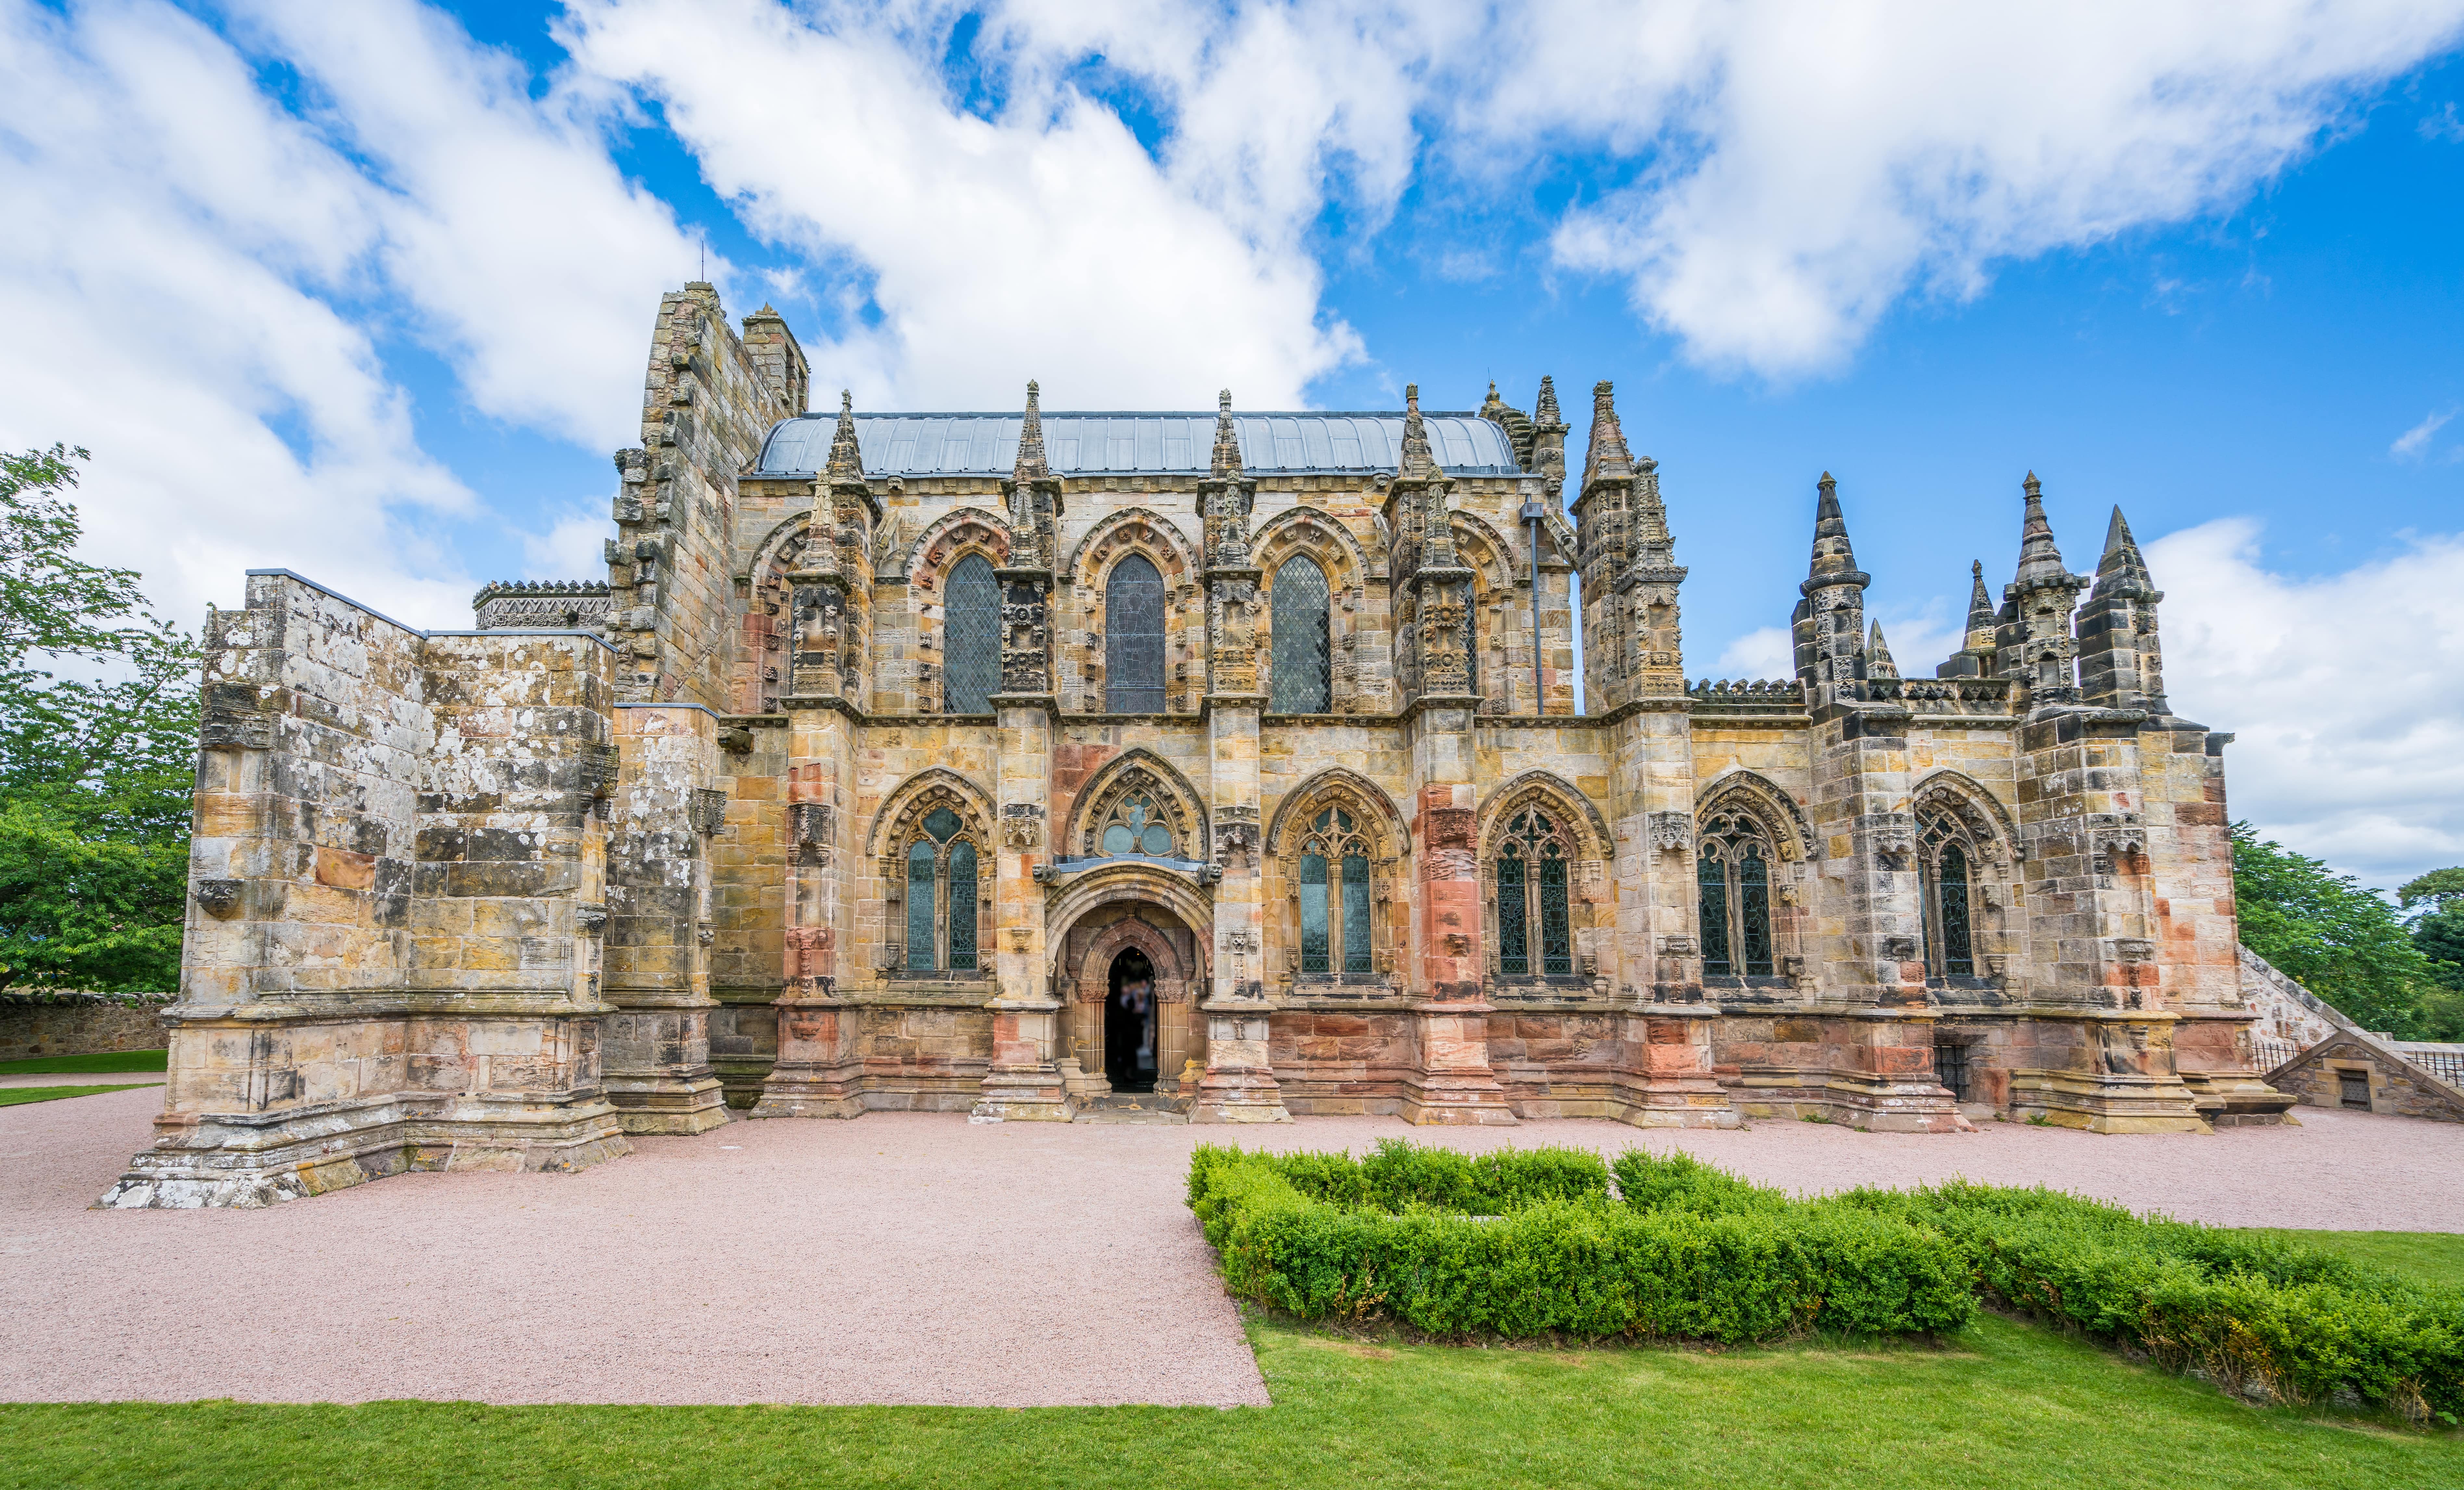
[(1528, 1244)]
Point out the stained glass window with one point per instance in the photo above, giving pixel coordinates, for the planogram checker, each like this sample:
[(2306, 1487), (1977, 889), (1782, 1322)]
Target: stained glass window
[(1314, 929), (920, 867), (1303, 683), (1958, 955), (970, 638), (962, 906), (1942, 880), (1357, 957), (1135, 824), (1732, 880), (1513, 932), (1533, 906), (940, 823), (1711, 875), (1133, 638)]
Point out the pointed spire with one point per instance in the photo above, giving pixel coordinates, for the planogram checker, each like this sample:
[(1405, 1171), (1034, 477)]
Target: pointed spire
[(1226, 461), (1609, 460), (1031, 464), (2122, 571), (1417, 463), (1980, 611), (1545, 413), (1878, 656), (846, 456), (1835, 560), (2040, 561)]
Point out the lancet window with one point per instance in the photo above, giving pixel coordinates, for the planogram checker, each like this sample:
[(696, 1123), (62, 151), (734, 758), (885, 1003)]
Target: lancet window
[(1304, 681), (1534, 928), (1134, 637), (1733, 874), (1944, 870), (971, 637), (941, 899), (1336, 934)]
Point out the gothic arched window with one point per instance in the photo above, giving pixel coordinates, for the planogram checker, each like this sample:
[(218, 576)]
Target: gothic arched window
[(971, 637), (1733, 876), (1533, 927), (1471, 640), (1943, 876), (1135, 826), (941, 899), (1303, 682), (1335, 933), (1133, 638)]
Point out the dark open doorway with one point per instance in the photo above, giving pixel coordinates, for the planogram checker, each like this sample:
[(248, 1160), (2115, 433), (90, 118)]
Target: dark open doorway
[(1130, 1024)]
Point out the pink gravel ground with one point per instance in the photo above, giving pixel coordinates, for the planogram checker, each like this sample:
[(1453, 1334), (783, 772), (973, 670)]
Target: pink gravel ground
[(896, 1258)]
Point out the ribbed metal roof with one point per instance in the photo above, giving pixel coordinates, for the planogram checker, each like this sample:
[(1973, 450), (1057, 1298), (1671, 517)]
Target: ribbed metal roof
[(1099, 444)]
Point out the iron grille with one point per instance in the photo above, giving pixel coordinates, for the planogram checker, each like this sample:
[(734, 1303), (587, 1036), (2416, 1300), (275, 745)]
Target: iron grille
[(1303, 685), (1950, 1068), (1133, 638), (970, 638)]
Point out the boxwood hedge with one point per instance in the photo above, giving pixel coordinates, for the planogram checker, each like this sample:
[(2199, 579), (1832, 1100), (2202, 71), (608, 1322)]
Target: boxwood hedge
[(1534, 1243)]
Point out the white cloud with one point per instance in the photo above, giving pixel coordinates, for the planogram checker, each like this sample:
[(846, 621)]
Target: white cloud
[(1765, 653), (572, 546), (2414, 443), (1044, 242), (2346, 692)]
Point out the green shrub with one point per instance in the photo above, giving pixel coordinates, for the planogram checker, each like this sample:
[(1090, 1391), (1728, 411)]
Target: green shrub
[(2259, 1314), (1528, 1244), (1682, 1182)]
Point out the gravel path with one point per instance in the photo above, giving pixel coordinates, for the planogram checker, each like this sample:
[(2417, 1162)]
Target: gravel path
[(897, 1258)]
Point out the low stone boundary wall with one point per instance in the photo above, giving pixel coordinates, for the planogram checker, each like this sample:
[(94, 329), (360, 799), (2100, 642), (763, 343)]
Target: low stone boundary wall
[(80, 1024)]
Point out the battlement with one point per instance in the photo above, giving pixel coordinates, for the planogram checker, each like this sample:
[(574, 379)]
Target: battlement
[(1744, 696), (542, 605)]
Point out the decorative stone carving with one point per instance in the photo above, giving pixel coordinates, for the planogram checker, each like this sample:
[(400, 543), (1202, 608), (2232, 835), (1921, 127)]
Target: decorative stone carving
[(708, 810), (1678, 945), (598, 766), (590, 917), (219, 898), (808, 826), (234, 718), (1022, 826), (1900, 949), (1671, 833)]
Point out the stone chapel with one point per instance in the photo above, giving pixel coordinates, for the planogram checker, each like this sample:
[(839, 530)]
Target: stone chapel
[(1218, 766)]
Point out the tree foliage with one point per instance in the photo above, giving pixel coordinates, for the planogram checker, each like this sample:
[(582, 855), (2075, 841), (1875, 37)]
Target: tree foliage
[(2339, 940), (97, 750)]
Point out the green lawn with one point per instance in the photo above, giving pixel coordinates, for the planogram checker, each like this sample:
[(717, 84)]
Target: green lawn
[(2008, 1405), (20, 1096), (103, 1061)]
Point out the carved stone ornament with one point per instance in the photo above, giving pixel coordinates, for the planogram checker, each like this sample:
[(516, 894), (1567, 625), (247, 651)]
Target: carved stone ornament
[(219, 898), (2133, 949), (590, 917), (1022, 826), (808, 825), (1677, 944), (598, 763), (1894, 842), (234, 718), (1240, 944), (708, 810), (1900, 949), (2114, 846), (1672, 832)]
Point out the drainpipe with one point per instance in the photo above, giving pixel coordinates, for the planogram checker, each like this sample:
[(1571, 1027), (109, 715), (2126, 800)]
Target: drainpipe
[(1532, 514)]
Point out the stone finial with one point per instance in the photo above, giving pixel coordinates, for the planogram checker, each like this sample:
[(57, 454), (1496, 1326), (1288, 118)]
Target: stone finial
[(1418, 463), (2122, 570), (1545, 413), (1031, 466), (1980, 609), (846, 456), (1226, 461), (1835, 559), (1607, 459), (1878, 656), (2040, 561)]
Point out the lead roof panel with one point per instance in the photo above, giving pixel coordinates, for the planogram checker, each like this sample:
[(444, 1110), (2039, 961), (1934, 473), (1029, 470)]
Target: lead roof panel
[(1097, 444)]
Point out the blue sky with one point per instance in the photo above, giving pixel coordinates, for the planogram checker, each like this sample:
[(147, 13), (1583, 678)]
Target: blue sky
[(366, 290)]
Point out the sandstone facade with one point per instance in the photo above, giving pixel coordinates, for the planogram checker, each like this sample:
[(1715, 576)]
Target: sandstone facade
[(906, 741)]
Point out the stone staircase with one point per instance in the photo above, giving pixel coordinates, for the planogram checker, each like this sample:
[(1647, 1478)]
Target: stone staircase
[(1132, 1108)]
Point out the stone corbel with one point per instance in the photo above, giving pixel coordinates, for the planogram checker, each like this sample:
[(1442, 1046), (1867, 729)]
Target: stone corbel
[(1672, 832), (1679, 944), (809, 828), (1895, 841), (590, 917), (218, 898), (1022, 826), (707, 810)]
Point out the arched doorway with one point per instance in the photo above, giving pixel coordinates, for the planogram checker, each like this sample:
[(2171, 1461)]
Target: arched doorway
[(1131, 1014), (1116, 910)]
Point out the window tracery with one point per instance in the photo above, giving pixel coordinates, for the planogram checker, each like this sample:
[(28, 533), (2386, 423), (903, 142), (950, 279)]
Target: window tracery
[(1301, 659), (1945, 876), (1135, 827), (1733, 870), (971, 632), (1335, 923), (942, 901), (1134, 637), (1534, 923)]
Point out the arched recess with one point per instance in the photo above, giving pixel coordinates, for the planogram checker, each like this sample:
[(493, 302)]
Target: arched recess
[(1325, 541), (761, 669), (1751, 842), (1138, 530), (1380, 830), (1162, 913), (1138, 773), (1500, 626), (938, 550), (1539, 815), (1964, 853), (898, 827)]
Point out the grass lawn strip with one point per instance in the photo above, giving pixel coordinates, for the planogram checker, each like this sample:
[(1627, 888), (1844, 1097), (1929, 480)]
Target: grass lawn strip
[(19, 1096), (2005, 1404), (98, 1061)]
